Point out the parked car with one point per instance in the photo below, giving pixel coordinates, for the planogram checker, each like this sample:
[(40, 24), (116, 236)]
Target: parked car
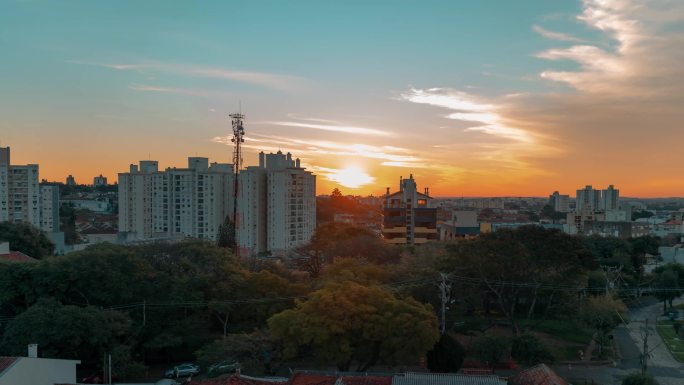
[(223, 367), (182, 370)]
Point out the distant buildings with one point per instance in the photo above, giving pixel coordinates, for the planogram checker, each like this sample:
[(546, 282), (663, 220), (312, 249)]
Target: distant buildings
[(23, 199), (276, 205), (409, 216), (559, 203), (70, 180), (100, 181), (587, 199), (610, 199), (462, 224)]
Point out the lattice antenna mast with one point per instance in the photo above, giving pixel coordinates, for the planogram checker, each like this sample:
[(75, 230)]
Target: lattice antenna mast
[(238, 139)]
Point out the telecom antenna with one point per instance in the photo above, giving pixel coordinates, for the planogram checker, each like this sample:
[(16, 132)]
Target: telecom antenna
[(238, 133)]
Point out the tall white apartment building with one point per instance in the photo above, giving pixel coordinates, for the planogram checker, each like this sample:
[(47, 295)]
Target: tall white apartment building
[(49, 208), (4, 183), (251, 224), (175, 203), (23, 199), (610, 199), (135, 200), (277, 205), (588, 199)]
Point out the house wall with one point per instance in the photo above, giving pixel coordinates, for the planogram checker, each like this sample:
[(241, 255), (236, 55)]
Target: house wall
[(40, 371)]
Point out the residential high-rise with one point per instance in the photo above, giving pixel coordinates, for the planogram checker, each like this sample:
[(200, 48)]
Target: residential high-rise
[(175, 203), (560, 203), (23, 198), (49, 207), (19, 191), (610, 199), (70, 180), (135, 200), (409, 217), (276, 205), (588, 199)]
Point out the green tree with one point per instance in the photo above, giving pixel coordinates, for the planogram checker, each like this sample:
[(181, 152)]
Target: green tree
[(226, 234), (69, 332), (667, 286), (352, 323), (446, 356), (639, 379), (255, 352), (514, 267), (597, 282), (530, 350), (604, 313), (491, 349), (27, 239)]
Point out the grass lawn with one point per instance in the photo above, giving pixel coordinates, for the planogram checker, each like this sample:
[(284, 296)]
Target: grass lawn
[(563, 337), (674, 342)]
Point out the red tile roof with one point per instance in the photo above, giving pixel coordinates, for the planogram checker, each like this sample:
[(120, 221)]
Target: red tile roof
[(537, 375), (6, 362), (312, 379), (16, 256)]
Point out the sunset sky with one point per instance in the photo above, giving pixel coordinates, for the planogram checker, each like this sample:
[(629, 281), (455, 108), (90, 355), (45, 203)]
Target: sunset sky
[(474, 98)]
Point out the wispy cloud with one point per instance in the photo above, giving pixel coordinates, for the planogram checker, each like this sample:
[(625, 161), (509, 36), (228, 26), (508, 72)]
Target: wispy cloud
[(181, 91), (469, 109), (331, 127), (555, 35), (323, 148), (265, 79), (642, 55)]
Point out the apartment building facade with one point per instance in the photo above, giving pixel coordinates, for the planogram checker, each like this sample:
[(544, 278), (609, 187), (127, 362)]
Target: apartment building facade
[(23, 198), (174, 203), (409, 216)]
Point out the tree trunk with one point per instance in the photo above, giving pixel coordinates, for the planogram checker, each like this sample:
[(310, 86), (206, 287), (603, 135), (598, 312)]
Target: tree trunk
[(372, 360)]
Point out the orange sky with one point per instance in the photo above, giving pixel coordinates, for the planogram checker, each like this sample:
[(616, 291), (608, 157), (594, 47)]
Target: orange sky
[(563, 95)]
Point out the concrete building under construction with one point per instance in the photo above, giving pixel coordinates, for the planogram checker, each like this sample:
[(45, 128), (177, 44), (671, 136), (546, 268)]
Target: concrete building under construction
[(409, 216)]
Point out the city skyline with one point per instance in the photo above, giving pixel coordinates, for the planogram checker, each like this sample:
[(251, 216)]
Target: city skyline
[(473, 99)]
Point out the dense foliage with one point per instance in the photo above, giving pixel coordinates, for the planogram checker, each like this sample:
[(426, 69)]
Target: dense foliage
[(346, 299), (349, 323), (27, 239)]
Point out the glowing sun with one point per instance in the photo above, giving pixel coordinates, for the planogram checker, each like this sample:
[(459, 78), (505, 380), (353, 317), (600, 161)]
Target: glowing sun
[(351, 176)]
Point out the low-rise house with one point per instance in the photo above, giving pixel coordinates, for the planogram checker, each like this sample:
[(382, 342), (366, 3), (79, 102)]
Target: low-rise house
[(7, 255), (37, 371)]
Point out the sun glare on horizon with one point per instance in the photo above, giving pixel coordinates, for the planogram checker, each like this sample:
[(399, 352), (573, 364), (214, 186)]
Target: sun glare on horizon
[(351, 176)]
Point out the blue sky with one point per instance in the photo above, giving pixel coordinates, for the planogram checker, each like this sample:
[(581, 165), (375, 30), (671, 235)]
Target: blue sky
[(114, 82)]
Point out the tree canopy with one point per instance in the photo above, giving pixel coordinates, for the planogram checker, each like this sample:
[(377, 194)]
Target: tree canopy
[(27, 239), (352, 323)]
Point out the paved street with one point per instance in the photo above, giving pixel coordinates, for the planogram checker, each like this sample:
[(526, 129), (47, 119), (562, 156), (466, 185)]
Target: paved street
[(629, 341)]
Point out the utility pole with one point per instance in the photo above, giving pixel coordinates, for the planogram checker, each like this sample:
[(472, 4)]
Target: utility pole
[(110, 370), (644, 356), (144, 312), (238, 133), (444, 294)]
